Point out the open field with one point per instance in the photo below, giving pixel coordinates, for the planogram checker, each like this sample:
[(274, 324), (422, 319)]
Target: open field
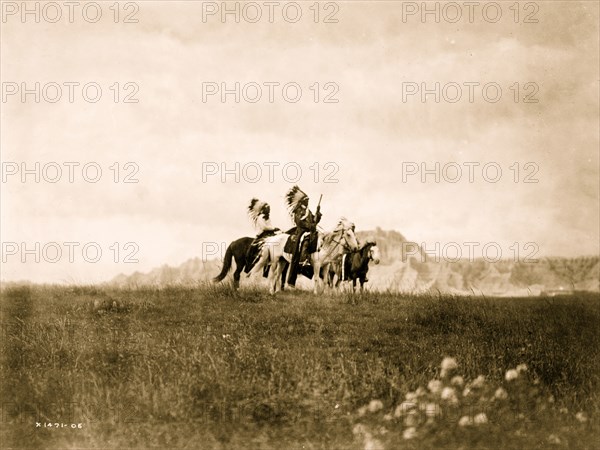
[(207, 367)]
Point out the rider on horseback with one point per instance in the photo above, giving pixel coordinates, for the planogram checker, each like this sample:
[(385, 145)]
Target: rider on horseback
[(259, 213), (305, 222)]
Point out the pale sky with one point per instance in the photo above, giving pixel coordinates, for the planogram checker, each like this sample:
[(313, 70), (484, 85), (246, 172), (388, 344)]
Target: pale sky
[(367, 138)]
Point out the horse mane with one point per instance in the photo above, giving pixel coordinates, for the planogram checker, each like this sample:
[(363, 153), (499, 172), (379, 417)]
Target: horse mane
[(328, 237), (342, 225), (367, 244)]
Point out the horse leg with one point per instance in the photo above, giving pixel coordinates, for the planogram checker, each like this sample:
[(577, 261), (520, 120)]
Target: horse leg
[(264, 258), (338, 278), (325, 271), (239, 266), (278, 274), (330, 276), (284, 270), (273, 279), (316, 278)]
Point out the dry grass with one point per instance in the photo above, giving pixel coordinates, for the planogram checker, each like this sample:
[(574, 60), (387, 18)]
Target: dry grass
[(208, 367)]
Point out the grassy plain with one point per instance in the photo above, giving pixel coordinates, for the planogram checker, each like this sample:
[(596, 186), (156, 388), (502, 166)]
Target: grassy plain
[(208, 367)]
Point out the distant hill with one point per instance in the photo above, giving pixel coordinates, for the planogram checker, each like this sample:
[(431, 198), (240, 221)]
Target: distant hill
[(406, 267), (190, 272)]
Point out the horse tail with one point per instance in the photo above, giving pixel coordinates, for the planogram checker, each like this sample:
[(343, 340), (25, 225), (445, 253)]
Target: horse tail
[(226, 264)]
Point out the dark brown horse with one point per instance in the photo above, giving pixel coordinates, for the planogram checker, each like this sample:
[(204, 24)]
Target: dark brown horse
[(244, 261), (354, 265), (238, 249)]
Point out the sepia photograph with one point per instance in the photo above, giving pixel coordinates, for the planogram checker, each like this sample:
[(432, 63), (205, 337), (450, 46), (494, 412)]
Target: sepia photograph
[(304, 225)]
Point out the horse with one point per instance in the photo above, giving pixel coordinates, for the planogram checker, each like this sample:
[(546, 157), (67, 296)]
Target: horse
[(329, 246), (354, 265), (238, 250)]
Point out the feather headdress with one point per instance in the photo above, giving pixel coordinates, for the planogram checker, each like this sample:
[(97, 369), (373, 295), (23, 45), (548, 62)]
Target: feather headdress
[(294, 197), (255, 208)]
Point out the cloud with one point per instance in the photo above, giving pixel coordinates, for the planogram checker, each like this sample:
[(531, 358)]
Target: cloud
[(365, 137)]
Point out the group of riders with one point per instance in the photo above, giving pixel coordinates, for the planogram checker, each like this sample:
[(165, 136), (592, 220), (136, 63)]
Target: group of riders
[(304, 235), (300, 250)]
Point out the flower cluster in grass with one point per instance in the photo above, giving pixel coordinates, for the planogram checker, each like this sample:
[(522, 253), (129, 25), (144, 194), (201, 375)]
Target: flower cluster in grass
[(451, 406)]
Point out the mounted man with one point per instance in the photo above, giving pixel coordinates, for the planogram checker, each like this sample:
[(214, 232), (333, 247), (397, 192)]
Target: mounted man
[(259, 213), (306, 222)]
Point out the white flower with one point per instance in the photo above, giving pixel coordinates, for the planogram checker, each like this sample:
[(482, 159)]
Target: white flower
[(522, 368), (387, 417), (554, 439), (411, 396), (449, 363), (581, 416), (501, 394), (375, 405), (435, 386), (420, 392), (480, 419), (372, 444), (409, 433), (457, 381), (359, 429), (448, 393), (403, 408), (362, 410), (467, 392), (511, 374), (448, 366), (478, 382), (465, 421)]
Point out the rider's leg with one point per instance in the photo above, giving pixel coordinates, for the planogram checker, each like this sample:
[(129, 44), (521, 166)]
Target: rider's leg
[(295, 263)]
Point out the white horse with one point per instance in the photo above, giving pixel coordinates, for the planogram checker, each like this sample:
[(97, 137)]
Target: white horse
[(329, 247)]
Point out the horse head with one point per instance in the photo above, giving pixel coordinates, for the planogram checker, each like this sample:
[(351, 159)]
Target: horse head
[(373, 251), (346, 229)]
